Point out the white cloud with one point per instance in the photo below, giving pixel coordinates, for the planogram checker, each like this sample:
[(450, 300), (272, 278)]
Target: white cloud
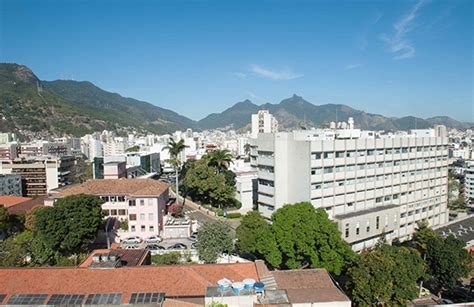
[(239, 75), (353, 66), (273, 74), (398, 42)]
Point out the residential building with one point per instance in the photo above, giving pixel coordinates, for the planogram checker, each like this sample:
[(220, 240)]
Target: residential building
[(140, 202), (9, 151), (246, 190), (41, 174), (114, 148), (372, 184), (6, 137), (263, 122), (11, 185), (469, 182)]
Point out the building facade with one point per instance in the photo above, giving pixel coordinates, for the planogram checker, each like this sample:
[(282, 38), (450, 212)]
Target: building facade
[(469, 182), (373, 185), (263, 122), (11, 185)]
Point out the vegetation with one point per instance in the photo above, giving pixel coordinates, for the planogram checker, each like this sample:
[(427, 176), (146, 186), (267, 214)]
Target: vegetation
[(447, 261), (65, 229), (219, 159), (124, 225), (387, 275), (455, 199), (214, 239), (205, 184), (4, 219), (300, 236), (175, 148), (133, 148), (423, 235), (170, 258)]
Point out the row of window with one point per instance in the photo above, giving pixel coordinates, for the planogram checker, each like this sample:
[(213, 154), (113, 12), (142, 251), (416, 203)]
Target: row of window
[(360, 180), (372, 165), (417, 211), (133, 228), (373, 152), (367, 226), (412, 223), (131, 217), (131, 202)]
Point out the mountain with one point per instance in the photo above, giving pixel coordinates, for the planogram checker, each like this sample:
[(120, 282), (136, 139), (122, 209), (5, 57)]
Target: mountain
[(295, 112), (31, 107)]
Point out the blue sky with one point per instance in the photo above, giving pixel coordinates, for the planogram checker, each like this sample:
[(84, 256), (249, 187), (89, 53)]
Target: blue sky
[(395, 58)]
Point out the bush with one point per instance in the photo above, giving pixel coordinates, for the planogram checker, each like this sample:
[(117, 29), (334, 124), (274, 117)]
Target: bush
[(220, 212), (235, 215), (124, 225), (170, 258), (237, 204)]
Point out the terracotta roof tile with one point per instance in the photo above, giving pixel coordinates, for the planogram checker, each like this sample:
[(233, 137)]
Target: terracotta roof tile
[(11, 200), (307, 286), (129, 187), (24, 207), (175, 281)]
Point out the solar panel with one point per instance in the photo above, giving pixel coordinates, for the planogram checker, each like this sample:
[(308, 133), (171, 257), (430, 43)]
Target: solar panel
[(66, 299), (104, 299), (2, 297), (147, 298), (27, 299)]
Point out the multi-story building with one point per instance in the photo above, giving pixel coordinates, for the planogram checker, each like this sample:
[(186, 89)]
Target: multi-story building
[(469, 183), (140, 202), (373, 185), (7, 137), (40, 174), (11, 185), (263, 122), (114, 148), (9, 151)]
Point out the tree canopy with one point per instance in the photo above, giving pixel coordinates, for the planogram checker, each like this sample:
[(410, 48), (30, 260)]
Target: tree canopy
[(220, 159), (4, 218), (214, 239), (422, 235), (447, 261), (299, 236), (386, 274), (66, 228)]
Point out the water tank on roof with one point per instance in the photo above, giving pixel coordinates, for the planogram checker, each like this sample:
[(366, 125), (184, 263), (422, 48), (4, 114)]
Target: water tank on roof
[(224, 284), (248, 283), (259, 287), (237, 287)]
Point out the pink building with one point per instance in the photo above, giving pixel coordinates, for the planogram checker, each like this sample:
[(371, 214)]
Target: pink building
[(139, 202)]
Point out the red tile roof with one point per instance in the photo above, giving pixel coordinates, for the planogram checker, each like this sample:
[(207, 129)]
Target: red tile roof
[(129, 257), (26, 206), (309, 286), (123, 186), (10, 200), (175, 281)]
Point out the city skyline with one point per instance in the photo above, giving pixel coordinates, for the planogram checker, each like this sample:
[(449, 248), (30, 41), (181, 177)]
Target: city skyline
[(412, 57)]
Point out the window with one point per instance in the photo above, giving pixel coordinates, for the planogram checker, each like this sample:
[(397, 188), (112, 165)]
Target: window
[(150, 202), (132, 228), (370, 152), (142, 228), (386, 220), (357, 229), (403, 215), (328, 170), (316, 155), (350, 154), (377, 222), (122, 212), (113, 212), (142, 202), (152, 228), (368, 226), (120, 198), (132, 203), (340, 154), (105, 212), (328, 155), (150, 216), (347, 230), (378, 200), (132, 217), (142, 216)]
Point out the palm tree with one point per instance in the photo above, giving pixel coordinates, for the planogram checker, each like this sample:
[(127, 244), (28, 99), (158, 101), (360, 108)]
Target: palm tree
[(220, 159), (175, 148)]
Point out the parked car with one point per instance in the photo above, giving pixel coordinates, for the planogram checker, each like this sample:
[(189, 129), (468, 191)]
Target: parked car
[(155, 247), (153, 239), (133, 246), (193, 237), (178, 246), (194, 245), (132, 240)]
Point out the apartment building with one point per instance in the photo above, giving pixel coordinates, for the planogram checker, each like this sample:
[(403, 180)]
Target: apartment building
[(469, 182), (40, 174), (372, 184), (263, 122), (140, 202), (9, 151), (11, 185)]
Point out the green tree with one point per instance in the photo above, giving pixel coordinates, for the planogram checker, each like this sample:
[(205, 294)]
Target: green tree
[(255, 236), (66, 228), (14, 251), (220, 159), (214, 239), (4, 219), (133, 148), (175, 148), (306, 237), (447, 261), (422, 235), (386, 274)]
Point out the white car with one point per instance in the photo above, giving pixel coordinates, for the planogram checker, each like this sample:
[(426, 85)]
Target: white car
[(131, 247), (132, 240), (153, 239)]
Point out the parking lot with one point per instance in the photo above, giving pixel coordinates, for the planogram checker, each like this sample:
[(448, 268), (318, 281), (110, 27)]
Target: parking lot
[(166, 243)]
